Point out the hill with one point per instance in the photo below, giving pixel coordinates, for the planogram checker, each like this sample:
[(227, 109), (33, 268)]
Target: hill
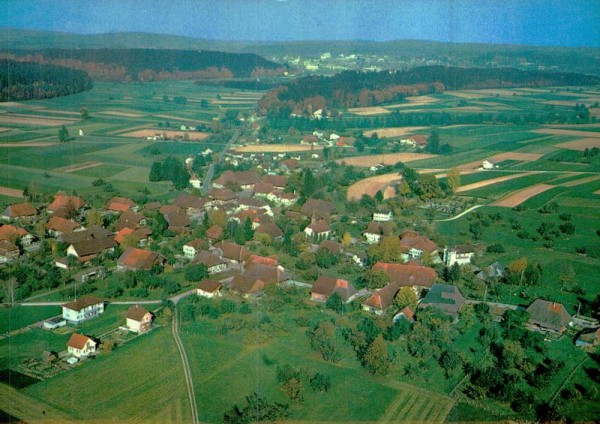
[(151, 64), (34, 81)]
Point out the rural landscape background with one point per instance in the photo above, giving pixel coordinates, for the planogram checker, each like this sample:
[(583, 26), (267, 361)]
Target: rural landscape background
[(327, 212)]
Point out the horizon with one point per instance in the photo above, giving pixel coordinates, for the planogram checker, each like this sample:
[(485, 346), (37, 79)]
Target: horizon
[(558, 23)]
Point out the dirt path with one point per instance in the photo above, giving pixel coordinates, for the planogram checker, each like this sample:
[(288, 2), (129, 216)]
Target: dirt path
[(472, 208), (186, 367), (78, 167)]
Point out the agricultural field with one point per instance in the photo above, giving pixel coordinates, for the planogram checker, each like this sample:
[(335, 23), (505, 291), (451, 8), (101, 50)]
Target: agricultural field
[(385, 159), (370, 186)]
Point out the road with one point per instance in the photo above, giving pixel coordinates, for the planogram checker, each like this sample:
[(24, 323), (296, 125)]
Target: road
[(472, 208), (220, 156)]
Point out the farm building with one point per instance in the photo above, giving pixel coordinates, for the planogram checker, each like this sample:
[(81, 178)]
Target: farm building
[(324, 287), (18, 211), (548, 316), (139, 259), (138, 319), (209, 288), (382, 299), (212, 262), (444, 297), (459, 254), (80, 345), (121, 204), (82, 309), (416, 276)]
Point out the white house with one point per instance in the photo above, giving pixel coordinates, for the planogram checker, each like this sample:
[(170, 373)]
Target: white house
[(80, 345), (382, 216), (487, 165), (376, 167), (191, 248), (460, 254), (209, 288), (195, 181), (82, 309), (138, 319)]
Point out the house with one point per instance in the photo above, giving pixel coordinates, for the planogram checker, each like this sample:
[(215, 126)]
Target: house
[(18, 211), (82, 309), (246, 285), (214, 233), (134, 259), (141, 234), (130, 219), (282, 198), (176, 218), (382, 299), (138, 319), (487, 164), (290, 165), (417, 245), (244, 179), (191, 248), (268, 274), (232, 251), (213, 263), (413, 275), (444, 297), (493, 272), (588, 338), (209, 288), (80, 345), (376, 230), (121, 204), (270, 229), (460, 254), (152, 206), (57, 226), (221, 196), (318, 229), (548, 316), (87, 274), (14, 234), (256, 259), (8, 251), (87, 249), (333, 246), (262, 189), (382, 216), (278, 181), (320, 209), (324, 287), (309, 139), (376, 167), (64, 203), (406, 314), (189, 203)]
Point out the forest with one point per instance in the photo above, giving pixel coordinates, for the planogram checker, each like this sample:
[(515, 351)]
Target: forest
[(151, 64), (35, 81), (363, 89)]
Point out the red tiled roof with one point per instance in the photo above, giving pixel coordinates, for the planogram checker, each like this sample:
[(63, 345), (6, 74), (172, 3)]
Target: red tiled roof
[(408, 274), (10, 232), (291, 164), (63, 225), (129, 219), (270, 229), (62, 200), (138, 258), (326, 286), (209, 286), (263, 188), (277, 180), (215, 232), (319, 227), (384, 297), (78, 341), (120, 204), (256, 259), (19, 210), (422, 243), (136, 313)]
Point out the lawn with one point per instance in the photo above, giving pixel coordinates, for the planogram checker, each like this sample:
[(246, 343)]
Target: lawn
[(21, 316)]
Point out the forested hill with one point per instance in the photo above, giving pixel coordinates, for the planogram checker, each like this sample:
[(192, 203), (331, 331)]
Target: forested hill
[(359, 89), (152, 64), (29, 81)]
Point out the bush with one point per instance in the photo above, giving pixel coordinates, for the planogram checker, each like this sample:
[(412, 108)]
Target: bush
[(495, 248)]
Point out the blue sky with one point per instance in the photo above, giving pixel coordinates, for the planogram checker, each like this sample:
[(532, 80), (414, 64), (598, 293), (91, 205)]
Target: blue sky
[(532, 22)]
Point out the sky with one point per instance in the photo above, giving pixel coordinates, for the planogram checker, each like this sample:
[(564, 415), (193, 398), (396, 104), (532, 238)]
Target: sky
[(525, 22)]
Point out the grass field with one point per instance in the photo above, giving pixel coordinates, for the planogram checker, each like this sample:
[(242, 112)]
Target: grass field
[(18, 317)]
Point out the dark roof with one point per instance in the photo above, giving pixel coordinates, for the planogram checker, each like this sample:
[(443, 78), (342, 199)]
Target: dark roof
[(276, 180), (319, 208), (384, 297), (549, 315), (90, 234), (319, 226), (120, 204), (445, 297), (326, 286), (381, 228), (189, 201), (233, 251), (129, 219), (246, 284), (408, 274), (209, 286), (263, 188), (422, 243), (270, 229), (206, 258), (333, 246), (240, 178), (175, 216), (136, 313), (222, 194), (83, 302), (268, 274), (63, 225), (93, 246)]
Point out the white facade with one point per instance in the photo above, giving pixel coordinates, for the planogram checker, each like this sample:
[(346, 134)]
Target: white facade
[(189, 251), (89, 348), (140, 326), (372, 238), (382, 217), (452, 256), (84, 314)]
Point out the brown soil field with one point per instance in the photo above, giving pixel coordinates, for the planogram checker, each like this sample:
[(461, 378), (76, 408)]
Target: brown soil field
[(11, 192), (179, 118), (580, 181), (581, 144), (414, 101), (28, 144), (371, 185), (366, 111), (78, 167), (386, 159), (597, 125), (468, 108), (466, 94), (62, 112), (518, 197), (558, 131), (21, 105), (393, 132), (10, 118), (569, 103), (4, 129), (597, 192), (490, 182), (196, 136), (265, 148), (233, 102), (524, 157), (124, 114)]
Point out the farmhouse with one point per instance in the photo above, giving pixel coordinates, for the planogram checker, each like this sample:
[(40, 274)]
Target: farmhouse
[(57, 226), (18, 211), (8, 251), (191, 204), (278, 181), (14, 234), (209, 288), (232, 251), (87, 249), (138, 319), (319, 209), (140, 234), (214, 233), (63, 204), (213, 263), (381, 299), (244, 179), (416, 276), (221, 196), (192, 247), (82, 309), (130, 219), (121, 204), (333, 246), (134, 259), (382, 216), (460, 254), (176, 218), (376, 230), (80, 345), (270, 229), (324, 287), (318, 229), (444, 297), (417, 245), (548, 316), (246, 285)]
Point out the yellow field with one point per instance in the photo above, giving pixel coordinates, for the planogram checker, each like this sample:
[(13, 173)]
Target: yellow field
[(372, 185), (366, 111), (386, 159), (558, 131), (393, 132), (519, 196)]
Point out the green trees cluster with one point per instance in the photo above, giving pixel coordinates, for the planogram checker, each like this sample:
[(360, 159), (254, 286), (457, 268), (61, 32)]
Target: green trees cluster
[(170, 169), (257, 409), (322, 340)]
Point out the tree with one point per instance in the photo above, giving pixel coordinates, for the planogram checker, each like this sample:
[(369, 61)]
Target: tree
[(155, 172), (293, 389), (85, 114), (129, 240), (375, 279), (9, 286), (320, 382), (248, 230), (388, 250), (325, 259), (450, 361), (346, 239), (309, 185), (63, 134), (257, 409), (406, 296), (404, 189), (376, 359), (322, 340), (94, 218), (433, 142), (196, 272), (566, 276), (517, 270), (453, 178), (379, 196), (336, 303)]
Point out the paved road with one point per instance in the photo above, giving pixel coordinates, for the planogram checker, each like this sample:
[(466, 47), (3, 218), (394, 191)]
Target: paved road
[(220, 156), (472, 208)]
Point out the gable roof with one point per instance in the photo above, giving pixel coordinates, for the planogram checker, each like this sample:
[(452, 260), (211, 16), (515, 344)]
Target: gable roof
[(319, 208), (120, 204), (188, 201), (214, 232), (222, 194), (92, 233), (140, 233), (270, 229), (380, 228), (138, 258), (233, 250), (197, 243), (276, 180), (319, 226), (412, 239), (326, 286), (266, 273), (92, 246), (408, 274), (62, 200), (240, 178), (446, 297), (20, 210), (384, 297), (82, 303), (8, 248), (291, 164), (550, 315), (246, 284), (78, 341), (175, 216), (136, 313), (206, 258), (61, 224), (256, 259), (11, 233), (210, 286), (129, 219), (333, 246)]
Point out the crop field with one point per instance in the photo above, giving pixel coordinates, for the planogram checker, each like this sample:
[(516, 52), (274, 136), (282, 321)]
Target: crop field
[(193, 135), (559, 131), (581, 144), (276, 148), (370, 186), (368, 111), (520, 196), (393, 132), (386, 159), (33, 120), (484, 183)]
